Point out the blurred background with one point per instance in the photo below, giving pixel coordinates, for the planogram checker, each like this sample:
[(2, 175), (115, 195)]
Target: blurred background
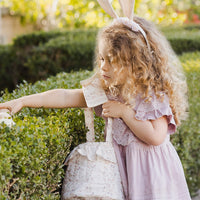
[(24, 16)]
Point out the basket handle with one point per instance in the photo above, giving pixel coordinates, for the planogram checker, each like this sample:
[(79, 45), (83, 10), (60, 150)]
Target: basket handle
[(89, 122)]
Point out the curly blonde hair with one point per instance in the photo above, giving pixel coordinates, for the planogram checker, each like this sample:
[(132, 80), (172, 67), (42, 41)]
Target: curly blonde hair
[(156, 69)]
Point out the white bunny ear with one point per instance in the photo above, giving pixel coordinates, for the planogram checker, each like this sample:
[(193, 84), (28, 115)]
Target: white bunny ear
[(106, 5), (128, 8)]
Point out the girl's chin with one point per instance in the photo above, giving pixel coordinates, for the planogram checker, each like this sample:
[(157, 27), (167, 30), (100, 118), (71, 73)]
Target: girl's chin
[(107, 83)]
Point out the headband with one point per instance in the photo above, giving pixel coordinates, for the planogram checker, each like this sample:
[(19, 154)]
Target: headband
[(128, 11)]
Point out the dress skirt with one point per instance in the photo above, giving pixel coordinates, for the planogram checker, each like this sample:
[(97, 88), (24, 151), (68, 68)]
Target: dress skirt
[(151, 172)]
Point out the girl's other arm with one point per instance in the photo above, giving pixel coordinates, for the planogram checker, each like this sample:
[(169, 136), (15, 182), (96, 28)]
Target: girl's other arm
[(57, 98), (152, 132)]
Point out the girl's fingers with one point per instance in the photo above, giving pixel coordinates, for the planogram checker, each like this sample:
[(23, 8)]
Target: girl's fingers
[(104, 111), (106, 115), (13, 106), (107, 104), (5, 107)]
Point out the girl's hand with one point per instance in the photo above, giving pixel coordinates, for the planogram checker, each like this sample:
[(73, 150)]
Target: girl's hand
[(14, 105), (113, 109)]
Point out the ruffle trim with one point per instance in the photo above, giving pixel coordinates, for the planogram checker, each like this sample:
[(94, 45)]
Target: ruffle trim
[(145, 110), (154, 109), (93, 151)]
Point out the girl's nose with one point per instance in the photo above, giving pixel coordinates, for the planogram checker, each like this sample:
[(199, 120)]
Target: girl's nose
[(104, 66)]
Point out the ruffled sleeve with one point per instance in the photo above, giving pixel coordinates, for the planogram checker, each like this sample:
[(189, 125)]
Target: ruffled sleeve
[(155, 108)]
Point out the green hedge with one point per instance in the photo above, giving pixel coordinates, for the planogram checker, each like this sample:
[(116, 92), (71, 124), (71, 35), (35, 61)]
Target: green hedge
[(183, 39), (35, 56), (187, 141), (40, 38), (33, 151)]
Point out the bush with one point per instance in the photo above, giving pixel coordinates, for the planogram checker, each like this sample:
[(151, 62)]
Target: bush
[(38, 55), (187, 140), (183, 39), (40, 38), (33, 151), (59, 55), (8, 71)]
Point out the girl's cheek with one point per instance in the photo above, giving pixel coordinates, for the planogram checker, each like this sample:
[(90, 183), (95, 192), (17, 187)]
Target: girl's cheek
[(122, 76)]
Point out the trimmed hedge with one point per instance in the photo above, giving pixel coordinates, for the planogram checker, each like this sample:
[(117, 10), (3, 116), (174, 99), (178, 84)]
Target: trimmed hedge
[(35, 56), (41, 37), (183, 39), (33, 151)]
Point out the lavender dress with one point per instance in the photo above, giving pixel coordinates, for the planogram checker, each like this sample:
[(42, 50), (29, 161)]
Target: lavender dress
[(148, 172)]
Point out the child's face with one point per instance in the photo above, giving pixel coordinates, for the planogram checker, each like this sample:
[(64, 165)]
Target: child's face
[(106, 67)]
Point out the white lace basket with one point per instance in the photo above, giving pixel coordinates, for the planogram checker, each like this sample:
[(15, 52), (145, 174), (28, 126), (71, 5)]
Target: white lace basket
[(6, 118), (92, 171)]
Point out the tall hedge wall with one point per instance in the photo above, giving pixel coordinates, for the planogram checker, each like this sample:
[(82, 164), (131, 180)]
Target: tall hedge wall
[(33, 151), (35, 56)]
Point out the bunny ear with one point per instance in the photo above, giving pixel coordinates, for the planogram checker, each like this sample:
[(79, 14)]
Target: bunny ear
[(106, 5), (128, 8)]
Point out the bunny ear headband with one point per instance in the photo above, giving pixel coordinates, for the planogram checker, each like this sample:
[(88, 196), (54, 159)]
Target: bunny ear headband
[(128, 11)]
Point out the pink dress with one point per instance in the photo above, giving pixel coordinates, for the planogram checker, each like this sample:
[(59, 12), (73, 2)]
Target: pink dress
[(148, 172)]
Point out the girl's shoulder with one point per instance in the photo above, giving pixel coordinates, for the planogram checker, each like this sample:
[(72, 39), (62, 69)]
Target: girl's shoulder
[(152, 101), (154, 107)]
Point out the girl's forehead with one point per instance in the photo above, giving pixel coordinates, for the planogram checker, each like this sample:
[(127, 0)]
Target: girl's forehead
[(103, 47)]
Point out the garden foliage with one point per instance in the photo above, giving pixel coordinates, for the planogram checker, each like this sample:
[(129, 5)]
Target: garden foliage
[(33, 151), (35, 56)]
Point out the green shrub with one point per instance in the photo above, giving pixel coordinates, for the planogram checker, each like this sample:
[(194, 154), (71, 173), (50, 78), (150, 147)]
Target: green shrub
[(183, 39), (38, 55), (187, 139), (33, 151), (41, 37), (8, 72), (59, 55)]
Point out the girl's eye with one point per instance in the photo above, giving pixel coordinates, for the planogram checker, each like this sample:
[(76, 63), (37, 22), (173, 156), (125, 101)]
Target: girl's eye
[(101, 59)]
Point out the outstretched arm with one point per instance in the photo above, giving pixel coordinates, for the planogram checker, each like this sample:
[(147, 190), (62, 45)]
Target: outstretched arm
[(57, 98)]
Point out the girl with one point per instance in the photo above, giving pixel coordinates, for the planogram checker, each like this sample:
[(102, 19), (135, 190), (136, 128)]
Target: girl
[(146, 92)]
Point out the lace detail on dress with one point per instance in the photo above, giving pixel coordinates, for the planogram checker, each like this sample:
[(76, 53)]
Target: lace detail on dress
[(121, 133), (150, 110), (145, 110)]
